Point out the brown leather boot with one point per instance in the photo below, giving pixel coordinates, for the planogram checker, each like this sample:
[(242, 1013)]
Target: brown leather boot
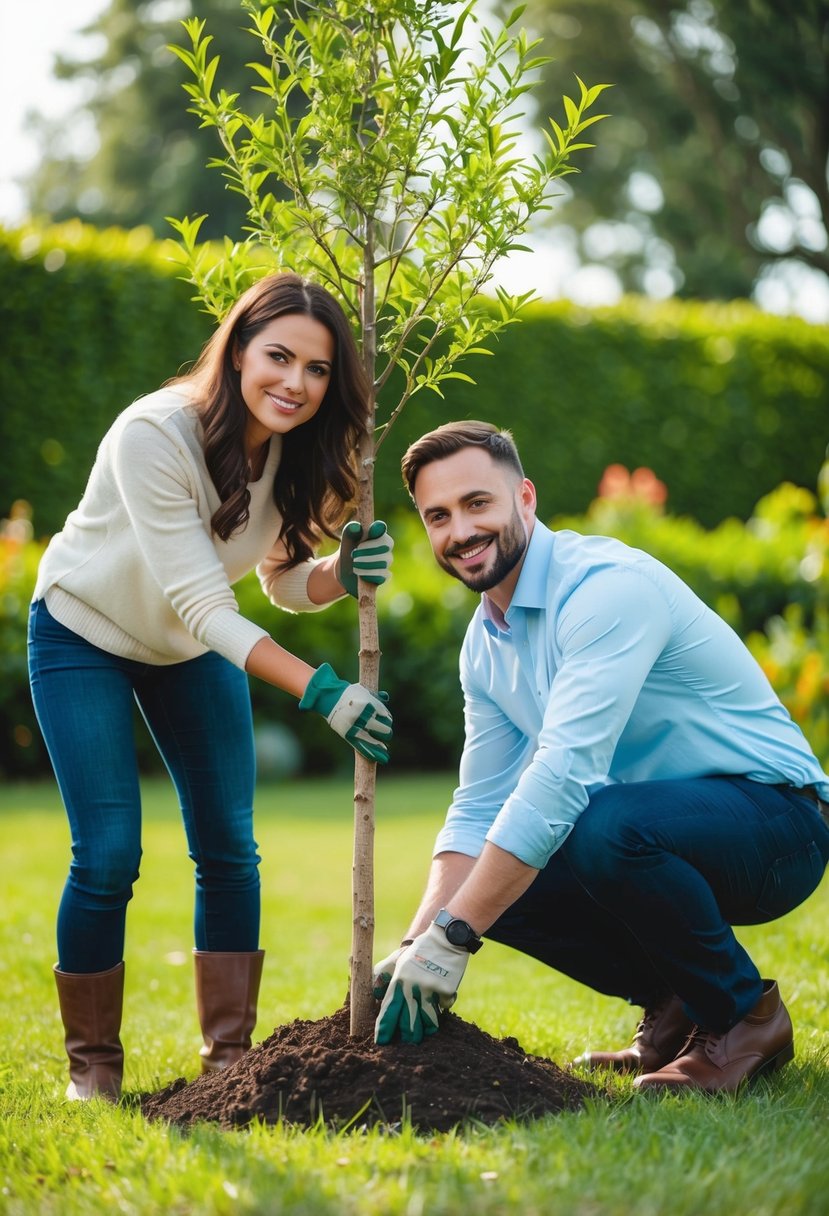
[(721, 1063), (227, 990), (90, 1008), (660, 1035)]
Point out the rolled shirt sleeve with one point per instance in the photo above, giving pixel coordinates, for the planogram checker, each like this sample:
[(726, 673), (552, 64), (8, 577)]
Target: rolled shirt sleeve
[(610, 633), (524, 789)]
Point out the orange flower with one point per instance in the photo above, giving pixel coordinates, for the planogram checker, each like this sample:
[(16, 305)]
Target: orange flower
[(641, 484), (615, 482), (646, 485)]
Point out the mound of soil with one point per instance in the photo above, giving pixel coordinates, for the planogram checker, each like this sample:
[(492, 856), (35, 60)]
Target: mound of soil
[(307, 1071)]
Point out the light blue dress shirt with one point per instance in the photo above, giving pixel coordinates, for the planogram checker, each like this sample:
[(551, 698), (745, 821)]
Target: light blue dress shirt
[(607, 668)]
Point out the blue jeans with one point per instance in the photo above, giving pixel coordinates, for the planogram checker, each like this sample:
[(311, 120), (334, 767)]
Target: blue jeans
[(199, 715), (641, 898)]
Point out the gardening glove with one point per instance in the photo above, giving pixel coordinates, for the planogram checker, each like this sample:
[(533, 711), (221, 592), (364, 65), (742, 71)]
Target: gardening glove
[(357, 715), (425, 980), (368, 558), (382, 973)]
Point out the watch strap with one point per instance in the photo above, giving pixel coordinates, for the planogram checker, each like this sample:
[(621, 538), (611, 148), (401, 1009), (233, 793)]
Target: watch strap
[(472, 942)]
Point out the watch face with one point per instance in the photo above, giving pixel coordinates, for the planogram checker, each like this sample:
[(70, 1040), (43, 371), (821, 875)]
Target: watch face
[(458, 933)]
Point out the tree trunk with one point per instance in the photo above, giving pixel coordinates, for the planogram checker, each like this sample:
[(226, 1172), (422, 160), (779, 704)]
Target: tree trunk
[(362, 928), (361, 1002)]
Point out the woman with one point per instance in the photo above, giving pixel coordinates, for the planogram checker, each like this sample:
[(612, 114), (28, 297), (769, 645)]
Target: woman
[(246, 461)]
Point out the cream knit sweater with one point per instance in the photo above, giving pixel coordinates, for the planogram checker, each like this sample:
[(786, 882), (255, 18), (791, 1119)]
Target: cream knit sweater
[(136, 570)]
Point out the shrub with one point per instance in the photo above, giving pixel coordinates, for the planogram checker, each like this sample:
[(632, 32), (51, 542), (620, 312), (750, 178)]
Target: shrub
[(793, 650), (796, 661)]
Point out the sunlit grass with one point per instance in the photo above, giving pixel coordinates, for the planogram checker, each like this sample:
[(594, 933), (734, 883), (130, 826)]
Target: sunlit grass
[(763, 1153)]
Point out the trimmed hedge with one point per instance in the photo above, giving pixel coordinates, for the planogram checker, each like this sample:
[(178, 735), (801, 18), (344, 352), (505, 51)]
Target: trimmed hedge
[(89, 321), (723, 402)]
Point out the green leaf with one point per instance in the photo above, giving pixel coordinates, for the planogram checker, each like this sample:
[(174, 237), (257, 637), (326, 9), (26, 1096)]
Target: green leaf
[(588, 122), (514, 16), (457, 376)]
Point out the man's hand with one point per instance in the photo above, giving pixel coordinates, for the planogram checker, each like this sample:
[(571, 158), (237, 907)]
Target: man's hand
[(358, 716), (425, 980), (369, 558)]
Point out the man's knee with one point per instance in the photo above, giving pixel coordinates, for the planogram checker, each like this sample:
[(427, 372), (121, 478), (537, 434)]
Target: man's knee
[(606, 836)]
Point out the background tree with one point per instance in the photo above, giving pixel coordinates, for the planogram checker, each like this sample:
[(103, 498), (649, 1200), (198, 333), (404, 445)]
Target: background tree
[(405, 189), (150, 157), (714, 168)]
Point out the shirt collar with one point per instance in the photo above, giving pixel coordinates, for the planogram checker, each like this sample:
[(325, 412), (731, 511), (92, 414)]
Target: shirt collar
[(531, 589)]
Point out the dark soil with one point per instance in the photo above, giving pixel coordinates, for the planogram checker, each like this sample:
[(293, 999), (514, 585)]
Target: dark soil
[(311, 1071)]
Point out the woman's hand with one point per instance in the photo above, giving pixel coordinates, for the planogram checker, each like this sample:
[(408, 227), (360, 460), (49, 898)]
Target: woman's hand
[(368, 558), (357, 715)]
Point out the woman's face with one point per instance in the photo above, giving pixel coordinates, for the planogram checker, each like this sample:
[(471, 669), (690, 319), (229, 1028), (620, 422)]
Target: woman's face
[(285, 372)]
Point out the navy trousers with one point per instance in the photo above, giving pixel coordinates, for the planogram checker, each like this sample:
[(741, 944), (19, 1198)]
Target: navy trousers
[(641, 898)]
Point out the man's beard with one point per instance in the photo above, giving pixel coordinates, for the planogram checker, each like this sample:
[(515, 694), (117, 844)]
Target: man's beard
[(510, 546)]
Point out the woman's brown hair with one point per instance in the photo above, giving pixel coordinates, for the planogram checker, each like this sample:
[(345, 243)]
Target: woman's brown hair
[(316, 480)]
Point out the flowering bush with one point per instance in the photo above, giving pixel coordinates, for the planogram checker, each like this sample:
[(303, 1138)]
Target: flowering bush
[(794, 652), (796, 661), (20, 747), (747, 572), (642, 485)]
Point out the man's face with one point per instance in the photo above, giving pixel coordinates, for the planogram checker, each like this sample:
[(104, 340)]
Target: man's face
[(478, 515)]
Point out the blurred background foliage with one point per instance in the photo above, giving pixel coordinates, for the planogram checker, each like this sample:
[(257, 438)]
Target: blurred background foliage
[(712, 170), (768, 577), (709, 180)]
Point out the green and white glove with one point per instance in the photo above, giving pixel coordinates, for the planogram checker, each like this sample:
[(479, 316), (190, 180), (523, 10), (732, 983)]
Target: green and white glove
[(368, 558), (354, 713), (382, 972), (425, 980)]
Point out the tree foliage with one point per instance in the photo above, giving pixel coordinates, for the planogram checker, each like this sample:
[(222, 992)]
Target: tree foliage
[(714, 168)]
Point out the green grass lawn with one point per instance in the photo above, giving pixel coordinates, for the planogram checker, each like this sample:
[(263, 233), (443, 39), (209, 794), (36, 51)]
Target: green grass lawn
[(763, 1153)]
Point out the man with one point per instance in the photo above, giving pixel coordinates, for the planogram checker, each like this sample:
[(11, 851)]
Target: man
[(630, 785)]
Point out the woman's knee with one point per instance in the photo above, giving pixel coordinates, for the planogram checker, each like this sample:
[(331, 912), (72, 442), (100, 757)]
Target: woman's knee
[(107, 875), (229, 868)]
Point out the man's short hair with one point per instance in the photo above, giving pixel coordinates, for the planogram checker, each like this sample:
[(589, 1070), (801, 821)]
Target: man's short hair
[(453, 437)]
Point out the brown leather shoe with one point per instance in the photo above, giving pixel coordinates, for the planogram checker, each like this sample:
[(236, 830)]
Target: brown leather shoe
[(663, 1030), (722, 1063)]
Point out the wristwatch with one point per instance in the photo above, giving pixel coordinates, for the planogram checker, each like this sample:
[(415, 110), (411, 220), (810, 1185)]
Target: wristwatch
[(458, 932)]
